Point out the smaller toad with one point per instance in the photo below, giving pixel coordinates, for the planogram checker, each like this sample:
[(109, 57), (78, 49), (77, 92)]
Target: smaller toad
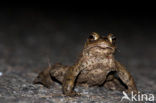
[(96, 66)]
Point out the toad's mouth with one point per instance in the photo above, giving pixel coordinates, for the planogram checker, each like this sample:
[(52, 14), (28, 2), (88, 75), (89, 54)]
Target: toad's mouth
[(101, 47)]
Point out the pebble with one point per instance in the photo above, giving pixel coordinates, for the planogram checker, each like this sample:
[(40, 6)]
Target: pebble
[(1, 73)]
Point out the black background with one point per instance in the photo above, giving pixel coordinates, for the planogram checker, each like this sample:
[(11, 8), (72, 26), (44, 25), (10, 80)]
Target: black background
[(60, 30)]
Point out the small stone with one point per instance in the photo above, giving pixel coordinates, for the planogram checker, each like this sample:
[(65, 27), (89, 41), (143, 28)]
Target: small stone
[(1, 73)]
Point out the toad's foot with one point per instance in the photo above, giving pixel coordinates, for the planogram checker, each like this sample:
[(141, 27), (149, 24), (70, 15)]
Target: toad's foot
[(72, 94), (114, 85), (44, 78)]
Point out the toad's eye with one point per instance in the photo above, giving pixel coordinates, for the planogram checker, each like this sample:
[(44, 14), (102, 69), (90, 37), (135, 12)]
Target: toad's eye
[(91, 37), (94, 36), (111, 38)]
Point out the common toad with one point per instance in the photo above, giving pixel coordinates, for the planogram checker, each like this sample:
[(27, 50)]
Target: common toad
[(96, 66)]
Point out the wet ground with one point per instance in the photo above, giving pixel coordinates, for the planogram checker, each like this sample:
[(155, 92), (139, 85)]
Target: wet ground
[(28, 40)]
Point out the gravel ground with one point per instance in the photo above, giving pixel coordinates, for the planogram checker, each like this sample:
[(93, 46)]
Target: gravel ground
[(28, 40)]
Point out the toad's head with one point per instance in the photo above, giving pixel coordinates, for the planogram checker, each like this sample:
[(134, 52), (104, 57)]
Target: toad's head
[(99, 44)]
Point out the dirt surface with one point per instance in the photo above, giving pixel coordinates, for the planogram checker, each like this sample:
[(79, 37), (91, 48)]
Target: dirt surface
[(28, 40)]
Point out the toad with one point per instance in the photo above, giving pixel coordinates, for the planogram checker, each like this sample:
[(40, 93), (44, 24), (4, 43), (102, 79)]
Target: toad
[(96, 66)]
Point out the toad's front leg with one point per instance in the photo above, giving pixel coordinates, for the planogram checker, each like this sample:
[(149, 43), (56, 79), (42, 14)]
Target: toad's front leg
[(126, 77), (69, 81)]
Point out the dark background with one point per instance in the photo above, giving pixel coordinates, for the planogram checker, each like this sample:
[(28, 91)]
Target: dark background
[(30, 34), (66, 26)]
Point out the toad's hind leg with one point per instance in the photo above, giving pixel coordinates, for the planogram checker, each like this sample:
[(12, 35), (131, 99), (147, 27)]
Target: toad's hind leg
[(46, 76), (114, 83)]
